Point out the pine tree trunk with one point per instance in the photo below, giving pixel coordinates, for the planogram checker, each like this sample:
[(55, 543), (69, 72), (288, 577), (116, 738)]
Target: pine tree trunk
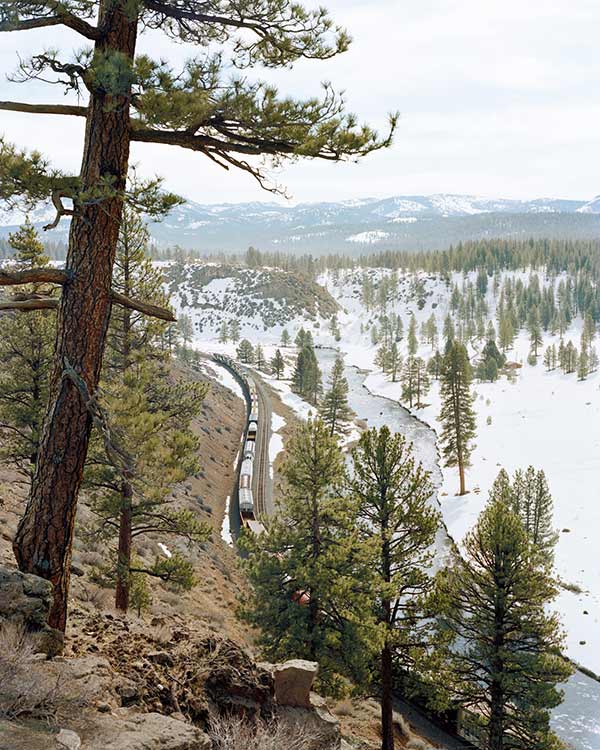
[(461, 474), (496, 726), (44, 537), (387, 719), (124, 554)]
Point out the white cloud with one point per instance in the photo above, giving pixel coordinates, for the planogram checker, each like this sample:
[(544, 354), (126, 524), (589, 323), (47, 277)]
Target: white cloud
[(496, 99)]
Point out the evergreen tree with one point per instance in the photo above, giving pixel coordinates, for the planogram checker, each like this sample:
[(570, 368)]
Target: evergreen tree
[(449, 332), (589, 327), (434, 366), (457, 415), (186, 330), (505, 661), (334, 409), (368, 292), (278, 365), (399, 332), (26, 347), (394, 361), (307, 378), (305, 567), (223, 333), (570, 358), (506, 333), (431, 331), (150, 417), (300, 338), (245, 352), (491, 361), (535, 330), (259, 358), (583, 365), (531, 500), (234, 331), (285, 338), (415, 381), (412, 341), (334, 328), (382, 357), (398, 521)]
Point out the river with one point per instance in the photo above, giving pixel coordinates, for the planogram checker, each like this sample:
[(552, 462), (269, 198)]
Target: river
[(577, 719)]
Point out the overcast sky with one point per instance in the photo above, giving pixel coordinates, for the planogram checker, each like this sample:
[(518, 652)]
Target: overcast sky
[(497, 98)]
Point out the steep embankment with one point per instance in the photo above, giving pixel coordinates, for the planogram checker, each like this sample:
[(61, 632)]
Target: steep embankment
[(260, 300), (211, 604)]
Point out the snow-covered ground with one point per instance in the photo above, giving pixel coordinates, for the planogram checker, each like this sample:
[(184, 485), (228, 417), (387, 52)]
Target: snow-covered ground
[(225, 526), (224, 377), (548, 420), (552, 422), (276, 442)]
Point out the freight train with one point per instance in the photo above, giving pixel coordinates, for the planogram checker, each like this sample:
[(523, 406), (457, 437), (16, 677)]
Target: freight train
[(245, 494)]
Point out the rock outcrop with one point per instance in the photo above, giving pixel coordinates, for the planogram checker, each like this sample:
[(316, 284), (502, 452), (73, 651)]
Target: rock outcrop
[(26, 598), (293, 682), (121, 731)]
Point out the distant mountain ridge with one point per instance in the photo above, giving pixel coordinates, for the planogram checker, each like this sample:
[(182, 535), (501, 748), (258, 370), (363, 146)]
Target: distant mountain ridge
[(394, 223)]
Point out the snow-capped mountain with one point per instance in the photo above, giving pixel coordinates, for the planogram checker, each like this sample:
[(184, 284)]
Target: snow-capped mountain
[(398, 222)]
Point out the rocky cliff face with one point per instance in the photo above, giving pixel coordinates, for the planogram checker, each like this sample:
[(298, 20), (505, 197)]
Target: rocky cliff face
[(130, 689)]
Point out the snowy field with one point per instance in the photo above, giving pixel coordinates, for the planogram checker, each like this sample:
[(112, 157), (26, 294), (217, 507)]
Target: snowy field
[(548, 420)]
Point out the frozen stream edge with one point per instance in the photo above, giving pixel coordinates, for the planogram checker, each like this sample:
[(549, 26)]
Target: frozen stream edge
[(577, 719)]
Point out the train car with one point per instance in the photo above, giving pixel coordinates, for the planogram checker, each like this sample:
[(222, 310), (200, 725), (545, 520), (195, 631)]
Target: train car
[(246, 502), (249, 449), (247, 469)]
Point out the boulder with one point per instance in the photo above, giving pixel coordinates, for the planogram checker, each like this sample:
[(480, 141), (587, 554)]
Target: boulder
[(120, 731), (293, 682), (87, 680), (152, 731), (68, 739), (26, 598)]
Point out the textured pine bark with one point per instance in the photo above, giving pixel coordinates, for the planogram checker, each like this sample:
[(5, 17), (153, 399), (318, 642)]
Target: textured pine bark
[(44, 537), (124, 553), (387, 708)]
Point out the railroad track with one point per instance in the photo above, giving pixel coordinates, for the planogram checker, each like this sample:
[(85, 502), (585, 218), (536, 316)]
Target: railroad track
[(262, 488)]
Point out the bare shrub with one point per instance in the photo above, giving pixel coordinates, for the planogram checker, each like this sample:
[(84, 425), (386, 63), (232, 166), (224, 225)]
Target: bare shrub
[(24, 691), (231, 732)]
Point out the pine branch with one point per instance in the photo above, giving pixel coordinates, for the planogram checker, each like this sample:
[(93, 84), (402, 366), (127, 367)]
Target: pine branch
[(28, 302), (144, 307), (35, 302), (33, 276), (63, 19), (44, 109)]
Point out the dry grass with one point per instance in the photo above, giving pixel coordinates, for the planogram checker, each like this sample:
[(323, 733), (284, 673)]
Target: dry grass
[(234, 732), (23, 691)]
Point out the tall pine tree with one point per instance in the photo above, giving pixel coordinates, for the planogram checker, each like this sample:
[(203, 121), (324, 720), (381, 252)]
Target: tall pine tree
[(399, 521), (334, 409), (505, 659), (150, 416), (307, 568), (457, 415), (26, 348)]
